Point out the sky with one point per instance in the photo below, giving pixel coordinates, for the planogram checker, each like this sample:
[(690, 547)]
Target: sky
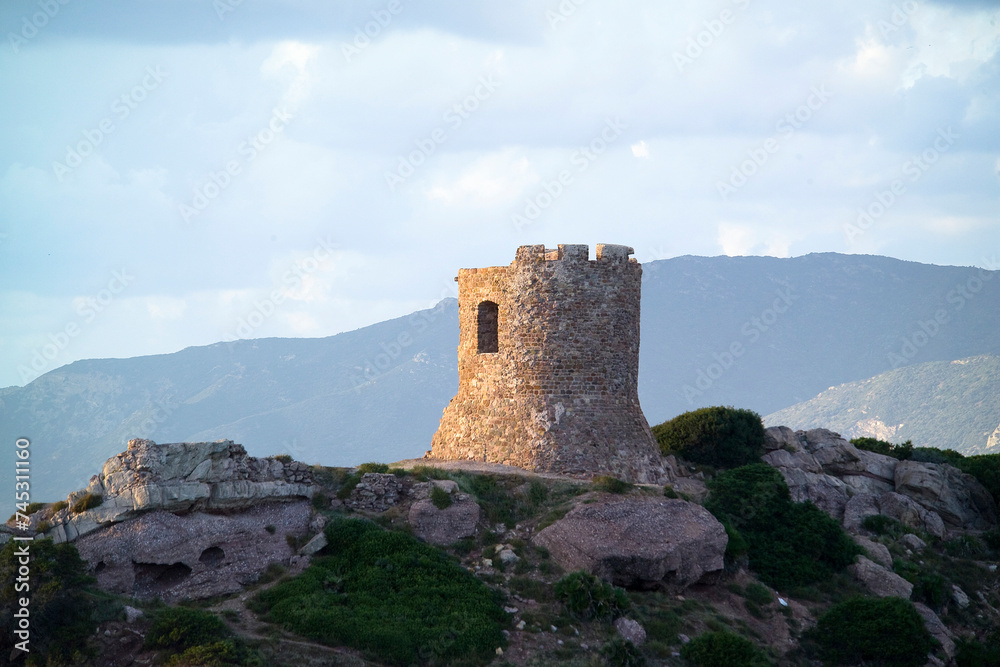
[(182, 173)]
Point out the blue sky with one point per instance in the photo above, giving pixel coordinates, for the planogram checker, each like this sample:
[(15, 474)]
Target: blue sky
[(176, 174)]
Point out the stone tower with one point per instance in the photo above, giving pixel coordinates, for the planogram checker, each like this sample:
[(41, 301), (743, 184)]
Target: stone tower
[(548, 363)]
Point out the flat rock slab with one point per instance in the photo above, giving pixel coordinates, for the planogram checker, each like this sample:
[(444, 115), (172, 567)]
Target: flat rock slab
[(637, 542), (444, 526)]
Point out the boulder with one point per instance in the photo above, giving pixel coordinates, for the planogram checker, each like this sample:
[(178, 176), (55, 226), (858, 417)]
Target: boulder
[(893, 505), (959, 499), (877, 552), (444, 526), (637, 542), (181, 477), (197, 555), (781, 437), (912, 542), (878, 580), (938, 630), (630, 630)]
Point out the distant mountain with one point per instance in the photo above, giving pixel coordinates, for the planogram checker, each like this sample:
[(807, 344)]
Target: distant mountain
[(756, 332), (944, 404)]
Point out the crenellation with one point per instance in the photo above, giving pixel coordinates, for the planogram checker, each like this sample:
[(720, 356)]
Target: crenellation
[(557, 388)]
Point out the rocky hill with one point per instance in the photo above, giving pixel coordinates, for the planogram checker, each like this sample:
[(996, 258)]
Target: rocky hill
[(295, 564), (942, 404), (755, 332)]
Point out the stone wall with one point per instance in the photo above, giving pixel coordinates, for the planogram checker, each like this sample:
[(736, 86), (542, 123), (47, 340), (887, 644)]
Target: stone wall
[(560, 393)]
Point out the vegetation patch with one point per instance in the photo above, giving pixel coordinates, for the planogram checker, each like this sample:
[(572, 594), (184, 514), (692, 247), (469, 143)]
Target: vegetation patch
[(723, 437), (440, 498), (373, 467), (87, 502), (788, 544), (884, 525), (873, 631), (610, 484), (588, 598), (389, 595), (622, 653), (724, 649)]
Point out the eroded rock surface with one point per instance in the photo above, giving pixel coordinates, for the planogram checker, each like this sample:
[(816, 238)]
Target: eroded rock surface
[(198, 555), (638, 542), (878, 580), (444, 526)]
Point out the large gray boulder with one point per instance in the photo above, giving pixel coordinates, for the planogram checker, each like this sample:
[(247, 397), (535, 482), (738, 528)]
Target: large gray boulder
[(637, 541), (959, 499), (893, 505), (181, 477), (197, 555), (444, 526), (880, 581)]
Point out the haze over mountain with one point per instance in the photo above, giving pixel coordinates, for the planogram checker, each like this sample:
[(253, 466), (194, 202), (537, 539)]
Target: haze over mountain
[(756, 332), (943, 404)]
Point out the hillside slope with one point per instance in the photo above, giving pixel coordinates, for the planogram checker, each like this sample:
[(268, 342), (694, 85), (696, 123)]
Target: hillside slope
[(944, 404)]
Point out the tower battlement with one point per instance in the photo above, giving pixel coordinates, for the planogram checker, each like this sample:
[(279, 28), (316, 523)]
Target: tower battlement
[(548, 362)]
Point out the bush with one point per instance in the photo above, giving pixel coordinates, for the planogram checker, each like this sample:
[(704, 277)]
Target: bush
[(901, 452), (877, 631), (930, 588), (622, 653), (722, 437), (62, 603), (610, 484), (373, 467), (758, 593), (965, 546), (284, 458), (440, 498), (387, 594), (180, 628), (586, 597), (975, 653), (87, 502), (723, 649), (788, 544), (59, 506)]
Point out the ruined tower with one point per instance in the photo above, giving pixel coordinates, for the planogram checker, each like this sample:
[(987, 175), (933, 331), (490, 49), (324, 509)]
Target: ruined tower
[(548, 364)]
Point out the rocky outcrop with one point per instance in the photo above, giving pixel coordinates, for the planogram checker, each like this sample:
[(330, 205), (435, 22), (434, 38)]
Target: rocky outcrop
[(376, 492), (876, 551), (878, 580), (938, 630), (197, 555), (181, 477), (850, 484), (443, 526), (959, 499), (637, 542)]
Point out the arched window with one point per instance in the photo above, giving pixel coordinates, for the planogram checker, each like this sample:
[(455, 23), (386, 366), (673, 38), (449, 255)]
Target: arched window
[(488, 320)]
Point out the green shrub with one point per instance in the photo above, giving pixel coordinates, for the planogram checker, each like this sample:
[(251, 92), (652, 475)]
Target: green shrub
[(59, 506), (538, 493), (87, 502), (985, 468), (723, 649), (965, 546), (884, 525), (975, 653), (387, 594), (876, 631), (758, 593), (533, 589), (351, 481), (669, 492), (788, 544), (319, 501), (622, 653), (180, 628), (284, 458), (499, 503), (930, 588), (723, 437), (62, 603), (373, 467), (33, 507), (586, 597), (610, 484), (440, 498), (902, 452)]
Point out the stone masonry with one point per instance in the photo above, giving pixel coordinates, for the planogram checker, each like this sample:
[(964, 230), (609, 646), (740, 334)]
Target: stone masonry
[(548, 363)]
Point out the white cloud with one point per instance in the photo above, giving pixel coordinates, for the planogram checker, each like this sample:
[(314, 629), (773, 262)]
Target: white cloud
[(493, 179), (640, 150)]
